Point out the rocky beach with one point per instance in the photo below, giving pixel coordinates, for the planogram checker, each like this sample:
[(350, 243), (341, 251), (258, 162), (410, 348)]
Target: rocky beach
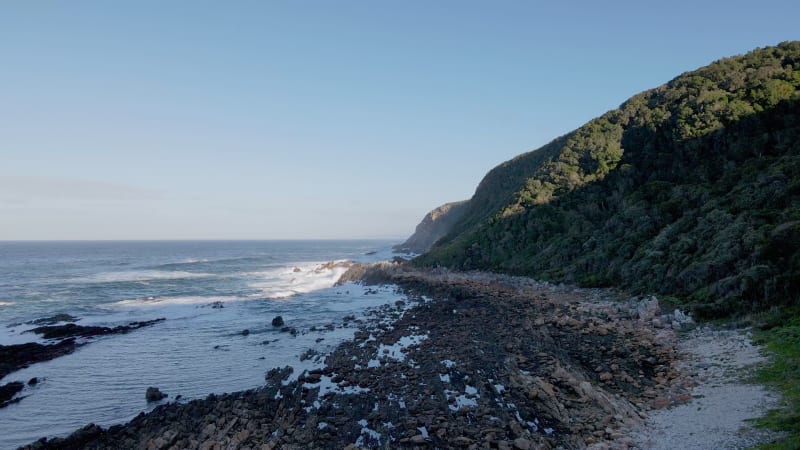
[(466, 360)]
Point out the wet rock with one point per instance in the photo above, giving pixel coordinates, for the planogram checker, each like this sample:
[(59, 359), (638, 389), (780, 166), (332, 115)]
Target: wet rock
[(522, 444), (276, 376), (153, 394), (18, 356), (52, 320), (8, 391), (245, 332), (417, 439), (72, 330), (277, 321), (33, 381)]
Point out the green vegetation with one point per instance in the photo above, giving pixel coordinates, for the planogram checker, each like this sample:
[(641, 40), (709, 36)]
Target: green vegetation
[(782, 337), (690, 190)]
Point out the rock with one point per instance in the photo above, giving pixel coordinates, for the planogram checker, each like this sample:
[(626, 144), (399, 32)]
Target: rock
[(606, 376), (660, 403), (153, 394), (33, 381), (52, 320), (680, 317), (245, 332), (647, 309), (522, 444), (313, 378), (277, 321), (18, 356), (72, 330), (296, 269), (8, 391), (418, 439)]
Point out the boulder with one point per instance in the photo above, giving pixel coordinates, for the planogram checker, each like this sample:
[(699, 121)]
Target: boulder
[(647, 309), (153, 394), (277, 321)]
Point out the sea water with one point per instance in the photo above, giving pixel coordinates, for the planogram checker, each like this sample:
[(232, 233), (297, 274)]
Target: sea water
[(210, 292)]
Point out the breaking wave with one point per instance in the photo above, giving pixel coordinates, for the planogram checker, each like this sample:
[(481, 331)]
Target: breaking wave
[(143, 275), (299, 279)]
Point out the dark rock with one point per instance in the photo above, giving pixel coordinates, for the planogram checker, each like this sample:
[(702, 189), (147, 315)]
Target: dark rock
[(277, 321), (153, 394), (275, 376), (72, 330), (52, 320), (18, 356), (9, 390), (245, 332), (33, 381)]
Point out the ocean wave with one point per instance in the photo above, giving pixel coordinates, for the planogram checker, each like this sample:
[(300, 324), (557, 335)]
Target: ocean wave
[(2, 303), (143, 275), (218, 261), (299, 279), (184, 300)]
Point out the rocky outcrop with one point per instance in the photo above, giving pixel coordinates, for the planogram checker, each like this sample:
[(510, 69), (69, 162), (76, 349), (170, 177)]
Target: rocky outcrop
[(19, 356), (73, 330), (433, 227)]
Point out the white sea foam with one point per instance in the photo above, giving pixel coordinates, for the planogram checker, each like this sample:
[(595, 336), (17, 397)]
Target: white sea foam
[(2, 303), (143, 275), (299, 278), (185, 300)]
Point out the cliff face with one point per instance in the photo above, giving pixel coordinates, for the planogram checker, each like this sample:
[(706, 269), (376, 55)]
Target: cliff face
[(691, 190), (434, 225)]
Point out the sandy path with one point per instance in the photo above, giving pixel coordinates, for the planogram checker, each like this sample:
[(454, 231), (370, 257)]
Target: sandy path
[(717, 417)]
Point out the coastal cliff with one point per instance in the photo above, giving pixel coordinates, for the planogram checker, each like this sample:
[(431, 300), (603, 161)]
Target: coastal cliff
[(433, 227), (689, 190)]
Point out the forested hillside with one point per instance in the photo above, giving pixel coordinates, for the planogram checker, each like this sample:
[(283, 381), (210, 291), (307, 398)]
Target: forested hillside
[(690, 190)]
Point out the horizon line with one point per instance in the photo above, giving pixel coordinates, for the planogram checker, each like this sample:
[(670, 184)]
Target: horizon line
[(208, 239)]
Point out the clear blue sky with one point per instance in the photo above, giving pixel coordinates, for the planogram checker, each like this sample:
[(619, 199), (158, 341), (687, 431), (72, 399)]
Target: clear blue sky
[(302, 119)]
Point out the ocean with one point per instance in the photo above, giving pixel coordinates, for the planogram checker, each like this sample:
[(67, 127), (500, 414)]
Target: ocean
[(210, 292)]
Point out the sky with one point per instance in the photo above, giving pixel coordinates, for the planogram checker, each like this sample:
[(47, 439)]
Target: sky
[(195, 119)]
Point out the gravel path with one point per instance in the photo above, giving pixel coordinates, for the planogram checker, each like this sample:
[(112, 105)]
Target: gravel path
[(717, 417)]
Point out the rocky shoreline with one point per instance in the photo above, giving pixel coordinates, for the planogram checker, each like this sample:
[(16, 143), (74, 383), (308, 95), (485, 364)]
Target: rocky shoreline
[(468, 360)]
